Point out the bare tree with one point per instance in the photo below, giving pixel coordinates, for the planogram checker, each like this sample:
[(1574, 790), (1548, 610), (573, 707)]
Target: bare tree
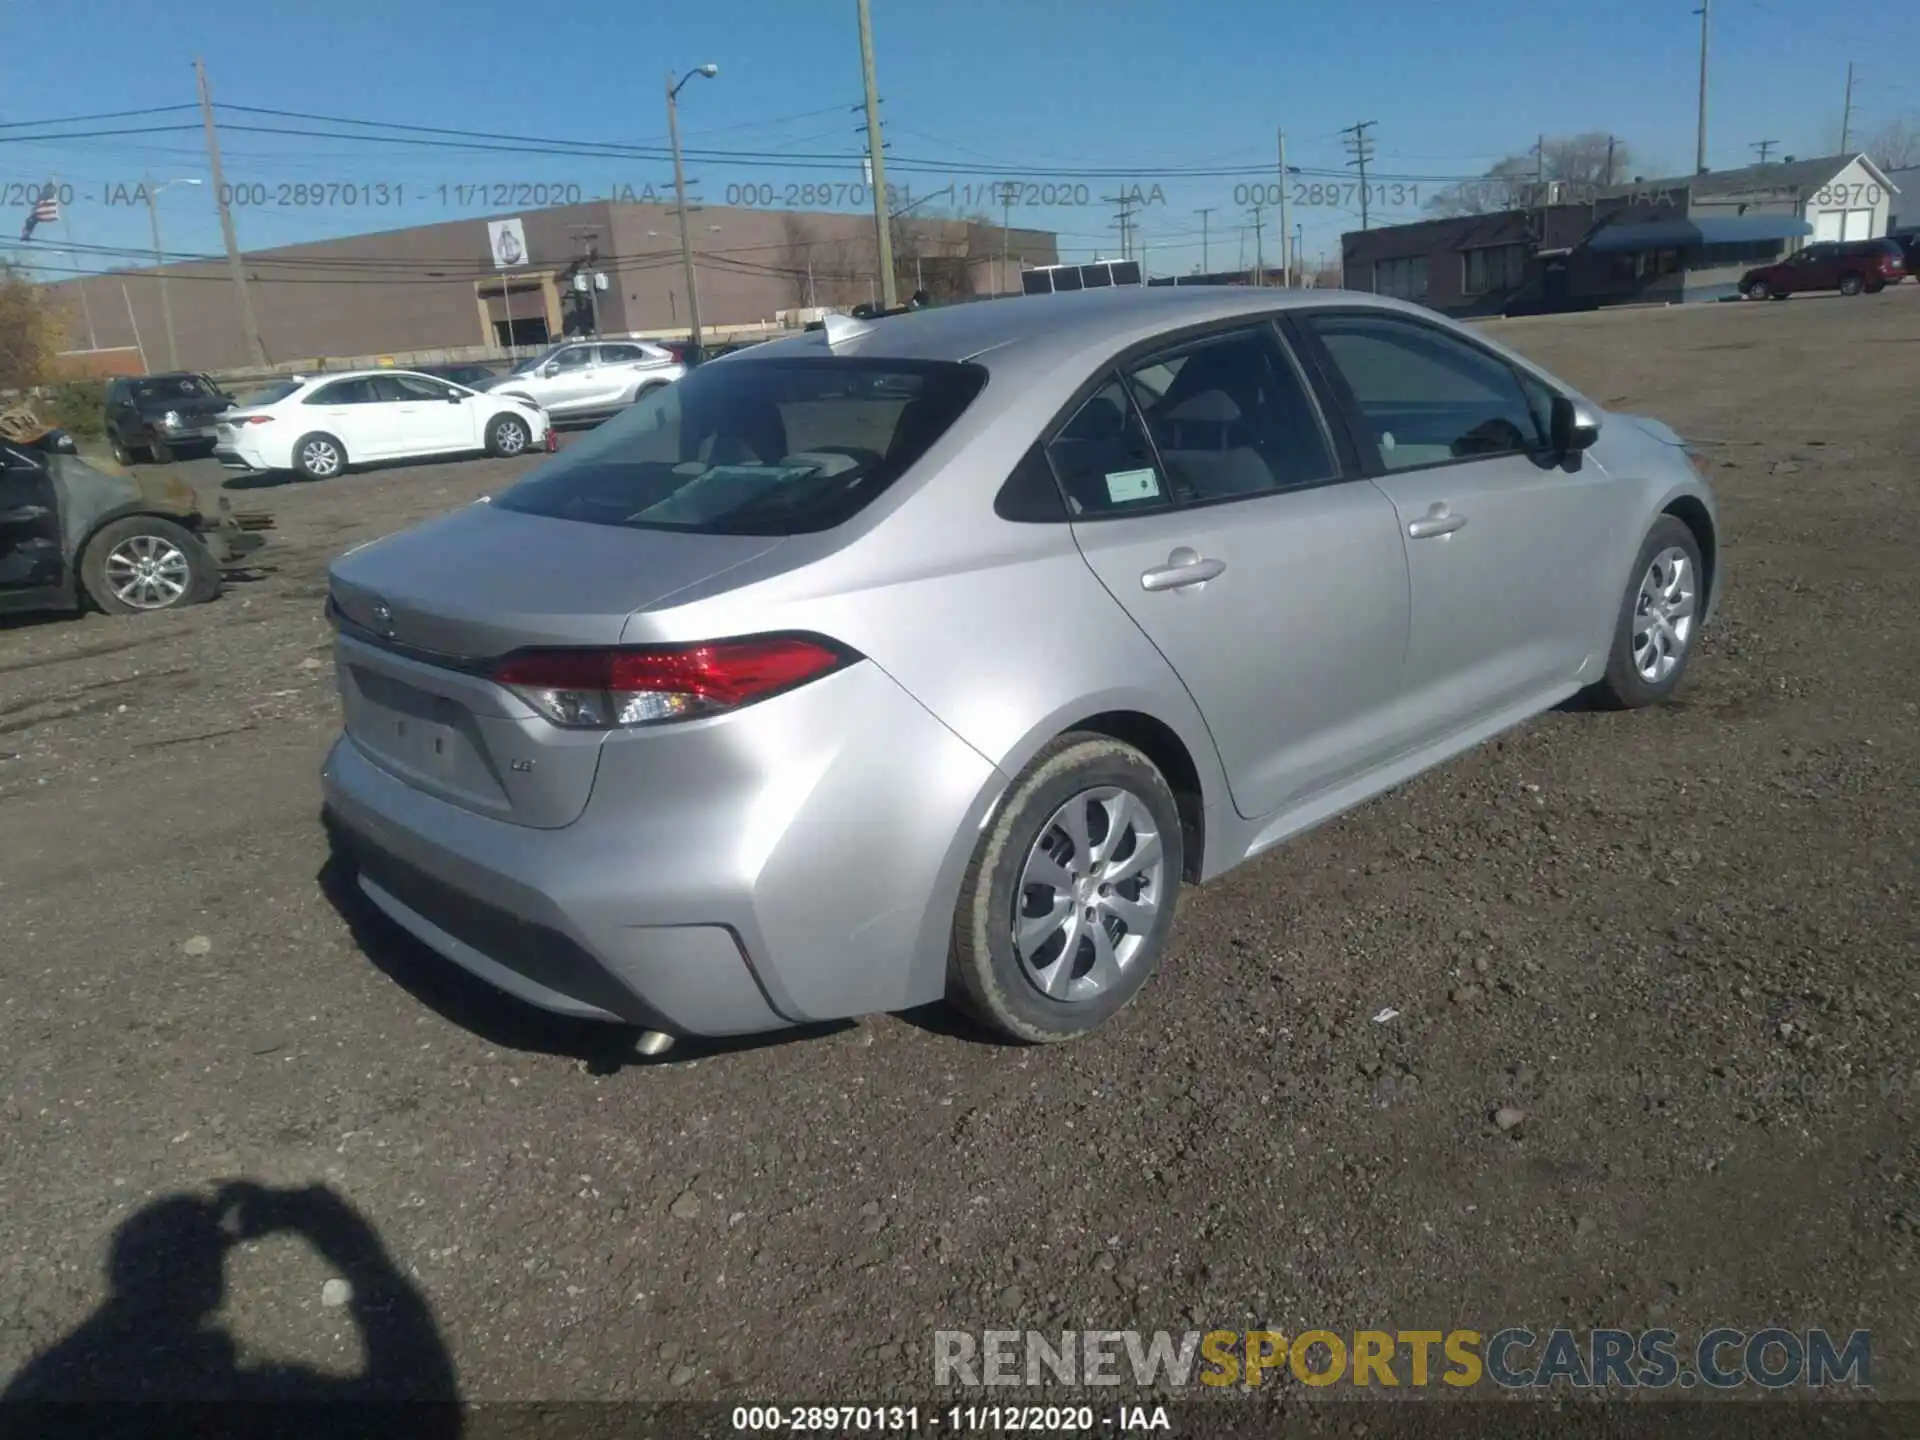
[(798, 259), (1329, 277), (1583, 161), (1895, 145)]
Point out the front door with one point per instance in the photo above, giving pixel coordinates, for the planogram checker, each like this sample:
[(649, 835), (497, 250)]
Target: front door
[(572, 383), (1509, 587), (1207, 496), (32, 565)]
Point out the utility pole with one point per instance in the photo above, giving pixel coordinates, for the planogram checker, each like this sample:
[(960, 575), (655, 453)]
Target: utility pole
[(883, 239), (1286, 229), (707, 71), (1006, 221), (1296, 257), (234, 265), (1846, 113), (1362, 149), (1763, 146), (586, 256), (1125, 216), (1609, 159), (1206, 267), (1259, 256), (1700, 142)]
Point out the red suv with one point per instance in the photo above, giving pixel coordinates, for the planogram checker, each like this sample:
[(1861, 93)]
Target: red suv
[(1848, 266)]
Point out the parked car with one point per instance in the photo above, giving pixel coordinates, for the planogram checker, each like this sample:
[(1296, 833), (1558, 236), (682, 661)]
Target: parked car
[(473, 376), (930, 656), (1849, 266), (70, 533), (318, 425), (587, 378), (1909, 243), (150, 417)]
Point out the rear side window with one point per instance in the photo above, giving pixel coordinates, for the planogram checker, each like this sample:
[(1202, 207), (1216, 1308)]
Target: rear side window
[(767, 447), (345, 392), (1103, 460), (621, 354)]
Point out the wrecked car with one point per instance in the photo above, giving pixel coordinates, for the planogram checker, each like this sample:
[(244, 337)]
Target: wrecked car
[(71, 534)]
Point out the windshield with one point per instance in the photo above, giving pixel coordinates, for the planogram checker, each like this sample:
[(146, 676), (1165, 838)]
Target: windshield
[(269, 394), (174, 387), (773, 447)]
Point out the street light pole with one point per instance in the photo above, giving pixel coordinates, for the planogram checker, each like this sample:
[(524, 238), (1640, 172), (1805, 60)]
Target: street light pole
[(160, 264), (680, 198)]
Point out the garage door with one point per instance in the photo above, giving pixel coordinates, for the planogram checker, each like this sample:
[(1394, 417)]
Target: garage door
[(1857, 226), (1826, 224)]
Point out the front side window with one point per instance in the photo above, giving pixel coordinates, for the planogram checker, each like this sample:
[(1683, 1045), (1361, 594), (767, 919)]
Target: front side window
[(769, 447), (577, 358), (1230, 415), (1425, 397)]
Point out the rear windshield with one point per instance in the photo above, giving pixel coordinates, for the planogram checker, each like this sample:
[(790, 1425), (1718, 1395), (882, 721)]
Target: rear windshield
[(270, 394), (173, 387), (754, 447)]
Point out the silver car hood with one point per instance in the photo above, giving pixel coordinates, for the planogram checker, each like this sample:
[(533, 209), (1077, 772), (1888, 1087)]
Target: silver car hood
[(485, 580)]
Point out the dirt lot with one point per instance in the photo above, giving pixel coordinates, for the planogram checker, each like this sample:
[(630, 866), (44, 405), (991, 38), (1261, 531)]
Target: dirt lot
[(1682, 942)]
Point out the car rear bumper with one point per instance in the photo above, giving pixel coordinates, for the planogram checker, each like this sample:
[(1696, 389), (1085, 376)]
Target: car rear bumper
[(794, 862)]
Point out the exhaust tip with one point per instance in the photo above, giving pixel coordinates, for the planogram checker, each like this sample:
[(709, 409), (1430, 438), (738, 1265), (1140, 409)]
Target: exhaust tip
[(653, 1042)]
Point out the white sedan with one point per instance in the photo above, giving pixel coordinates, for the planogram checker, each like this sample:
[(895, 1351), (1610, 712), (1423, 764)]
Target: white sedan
[(318, 425)]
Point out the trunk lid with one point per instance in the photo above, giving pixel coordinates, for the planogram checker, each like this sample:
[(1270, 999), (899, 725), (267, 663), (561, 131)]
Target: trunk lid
[(422, 614)]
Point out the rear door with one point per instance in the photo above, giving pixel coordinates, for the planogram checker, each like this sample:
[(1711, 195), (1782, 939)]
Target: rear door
[(429, 415), (1207, 494), (620, 372), (354, 414), (1504, 547)]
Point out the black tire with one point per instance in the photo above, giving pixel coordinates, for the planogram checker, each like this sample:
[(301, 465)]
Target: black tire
[(122, 452), (1623, 687), (989, 980), (1851, 284), (199, 583), (1759, 290), (508, 435), (309, 453)]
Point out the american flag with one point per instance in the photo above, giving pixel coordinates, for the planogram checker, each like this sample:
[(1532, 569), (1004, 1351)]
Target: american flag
[(45, 211)]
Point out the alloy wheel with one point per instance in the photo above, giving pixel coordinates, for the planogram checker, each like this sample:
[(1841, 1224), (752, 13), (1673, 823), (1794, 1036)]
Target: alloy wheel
[(1663, 615), (512, 438), (1089, 894), (319, 457), (148, 572)]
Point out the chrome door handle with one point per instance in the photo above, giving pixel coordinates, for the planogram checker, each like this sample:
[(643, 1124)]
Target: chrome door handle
[(1183, 568), (1437, 521)]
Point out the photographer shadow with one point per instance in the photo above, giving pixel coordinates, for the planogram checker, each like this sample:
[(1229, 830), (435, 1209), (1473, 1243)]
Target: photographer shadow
[(154, 1345)]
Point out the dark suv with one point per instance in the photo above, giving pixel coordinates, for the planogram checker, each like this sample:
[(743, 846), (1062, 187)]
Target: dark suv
[(1848, 266), (152, 416)]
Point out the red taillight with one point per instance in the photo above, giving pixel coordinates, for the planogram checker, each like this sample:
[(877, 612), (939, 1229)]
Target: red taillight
[(253, 420), (594, 689)]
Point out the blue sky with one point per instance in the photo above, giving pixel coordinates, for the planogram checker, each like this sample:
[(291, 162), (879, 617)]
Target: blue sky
[(1053, 87)]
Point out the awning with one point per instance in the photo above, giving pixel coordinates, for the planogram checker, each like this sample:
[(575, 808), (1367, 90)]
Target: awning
[(1706, 230)]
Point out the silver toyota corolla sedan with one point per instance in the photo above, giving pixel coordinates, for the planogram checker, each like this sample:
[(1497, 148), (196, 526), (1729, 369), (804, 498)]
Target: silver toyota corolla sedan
[(929, 655)]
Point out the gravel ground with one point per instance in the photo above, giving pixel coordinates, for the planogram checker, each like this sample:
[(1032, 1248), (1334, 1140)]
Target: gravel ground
[(1681, 944)]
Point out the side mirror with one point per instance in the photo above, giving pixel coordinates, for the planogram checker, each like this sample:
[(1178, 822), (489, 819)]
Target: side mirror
[(454, 397), (1574, 427), (550, 369)]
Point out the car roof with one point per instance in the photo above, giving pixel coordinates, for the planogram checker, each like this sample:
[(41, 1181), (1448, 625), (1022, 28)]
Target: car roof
[(1042, 330)]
